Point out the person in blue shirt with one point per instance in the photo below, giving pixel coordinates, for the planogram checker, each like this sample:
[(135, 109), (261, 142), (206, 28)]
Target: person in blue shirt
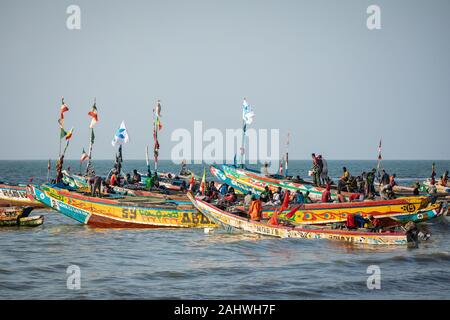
[(223, 189), (299, 198)]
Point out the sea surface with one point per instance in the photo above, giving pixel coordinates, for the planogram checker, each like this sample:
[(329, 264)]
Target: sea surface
[(189, 264)]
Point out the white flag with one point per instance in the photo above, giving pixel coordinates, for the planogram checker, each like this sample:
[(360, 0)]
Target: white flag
[(121, 136), (247, 113)]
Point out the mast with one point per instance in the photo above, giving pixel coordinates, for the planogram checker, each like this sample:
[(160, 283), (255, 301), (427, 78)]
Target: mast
[(93, 114), (156, 127), (287, 155)]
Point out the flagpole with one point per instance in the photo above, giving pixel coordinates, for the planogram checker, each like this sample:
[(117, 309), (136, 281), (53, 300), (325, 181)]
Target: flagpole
[(48, 171), (244, 129), (91, 143), (147, 159), (287, 155)]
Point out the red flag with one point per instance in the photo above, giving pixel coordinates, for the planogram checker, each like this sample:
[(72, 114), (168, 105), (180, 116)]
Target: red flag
[(191, 183), (294, 210), (94, 115), (64, 108)]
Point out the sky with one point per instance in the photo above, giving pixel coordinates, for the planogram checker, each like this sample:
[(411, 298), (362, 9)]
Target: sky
[(311, 68)]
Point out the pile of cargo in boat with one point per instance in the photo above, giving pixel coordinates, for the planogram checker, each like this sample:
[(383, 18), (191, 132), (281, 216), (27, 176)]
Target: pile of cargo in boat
[(19, 216), (125, 212), (232, 222)]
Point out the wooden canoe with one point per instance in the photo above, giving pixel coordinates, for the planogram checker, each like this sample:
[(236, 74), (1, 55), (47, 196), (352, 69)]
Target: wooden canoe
[(33, 221), (16, 196), (120, 213), (249, 181), (15, 212), (231, 223)]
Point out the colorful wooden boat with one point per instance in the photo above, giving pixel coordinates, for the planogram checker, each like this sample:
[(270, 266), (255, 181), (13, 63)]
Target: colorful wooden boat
[(119, 213), (246, 180), (231, 223), (439, 187), (16, 195), (405, 209)]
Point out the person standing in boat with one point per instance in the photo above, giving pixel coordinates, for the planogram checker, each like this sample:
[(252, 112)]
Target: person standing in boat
[(315, 170), (392, 182), (324, 170), (444, 179), (370, 183), (433, 171), (59, 167), (384, 178), (113, 180), (344, 179), (432, 188)]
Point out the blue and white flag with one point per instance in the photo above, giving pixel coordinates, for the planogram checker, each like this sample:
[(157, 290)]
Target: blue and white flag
[(247, 113), (121, 136)]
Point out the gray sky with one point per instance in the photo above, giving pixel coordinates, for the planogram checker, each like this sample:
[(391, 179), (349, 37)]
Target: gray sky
[(311, 67)]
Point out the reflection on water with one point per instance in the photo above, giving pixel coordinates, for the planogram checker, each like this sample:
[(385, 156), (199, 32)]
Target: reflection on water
[(189, 264)]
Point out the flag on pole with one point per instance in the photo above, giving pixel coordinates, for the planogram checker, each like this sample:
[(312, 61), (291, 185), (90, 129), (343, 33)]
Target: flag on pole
[(203, 183), (379, 151), (84, 156), (64, 108), (94, 115), (92, 136), (281, 166), (69, 134), (247, 113), (63, 133), (157, 115), (157, 126), (121, 135)]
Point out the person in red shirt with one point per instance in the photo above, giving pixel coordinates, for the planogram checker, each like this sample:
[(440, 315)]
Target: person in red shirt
[(113, 179), (351, 224), (326, 195), (355, 197)]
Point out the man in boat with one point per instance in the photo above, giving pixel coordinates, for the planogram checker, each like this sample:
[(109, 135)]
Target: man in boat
[(59, 167), (307, 198), (223, 190), (433, 171), (444, 179), (255, 211), (384, 178), (392, 182), (299, 198), (113, 180), (340, 197), (150, 182), (326, 195), (416, 188), (96, 189), (324, 170), (432, 188), (277, 197), (231, 196), (315, 170), (265, 169), (136, 177), (370, 183), (344, 179), (266, 195)]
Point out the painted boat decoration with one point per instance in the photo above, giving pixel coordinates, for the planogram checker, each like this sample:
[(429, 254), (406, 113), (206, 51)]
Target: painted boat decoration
[(120, 213), (405, 209), (34, 221), (232, 223), (16, 195), (75, 181), (246, 180)]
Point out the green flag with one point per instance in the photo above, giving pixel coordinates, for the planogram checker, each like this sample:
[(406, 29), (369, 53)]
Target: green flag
[(92, 136), (63, 133)]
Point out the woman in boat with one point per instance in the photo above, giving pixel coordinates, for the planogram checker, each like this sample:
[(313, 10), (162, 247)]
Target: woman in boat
[(255, 211)]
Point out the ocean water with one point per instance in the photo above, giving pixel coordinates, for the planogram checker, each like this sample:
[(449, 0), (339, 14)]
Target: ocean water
[(189, 264)]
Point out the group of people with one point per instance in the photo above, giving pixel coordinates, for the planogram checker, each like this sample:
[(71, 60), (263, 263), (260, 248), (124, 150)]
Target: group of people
[(319, 170)]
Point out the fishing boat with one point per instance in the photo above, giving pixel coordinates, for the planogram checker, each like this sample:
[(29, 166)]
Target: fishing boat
[(402, 210), (439, 187), (16, 195), (129, 190), (232, 223), (125, 212), (34, 221)]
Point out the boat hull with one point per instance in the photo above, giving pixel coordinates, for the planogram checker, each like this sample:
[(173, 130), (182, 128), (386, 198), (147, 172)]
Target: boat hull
[(233, 223), (34, 221)]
